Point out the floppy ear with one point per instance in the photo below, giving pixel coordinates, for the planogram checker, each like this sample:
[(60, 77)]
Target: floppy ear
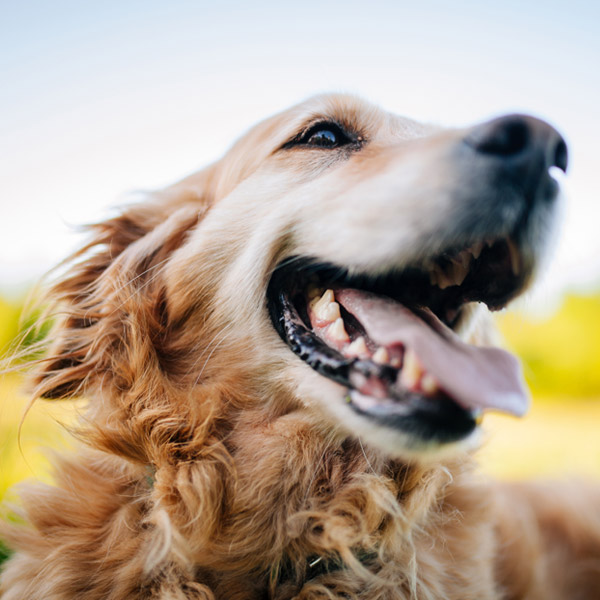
[(109, 306)]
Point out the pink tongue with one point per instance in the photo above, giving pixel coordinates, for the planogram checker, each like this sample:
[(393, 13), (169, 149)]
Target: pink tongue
[(475, 377)]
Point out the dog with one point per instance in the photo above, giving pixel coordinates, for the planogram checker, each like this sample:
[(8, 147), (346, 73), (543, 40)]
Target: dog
[(286, 361)]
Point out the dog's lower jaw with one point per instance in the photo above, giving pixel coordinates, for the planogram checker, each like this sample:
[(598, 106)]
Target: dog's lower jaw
[(330, 399)]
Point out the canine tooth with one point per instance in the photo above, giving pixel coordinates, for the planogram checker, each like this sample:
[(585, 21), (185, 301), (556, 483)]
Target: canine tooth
[(322, 299), (429, 384), (396, 362), (515, 258), (381, 356), (328, 313), (337, 331), (357, 348), (325, 308), (411, 371), (327, 297)]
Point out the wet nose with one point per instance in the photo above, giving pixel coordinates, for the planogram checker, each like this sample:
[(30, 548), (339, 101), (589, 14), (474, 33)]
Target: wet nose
[(520, 141)]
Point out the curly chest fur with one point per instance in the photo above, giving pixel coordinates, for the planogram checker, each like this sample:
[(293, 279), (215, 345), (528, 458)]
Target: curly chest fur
[(281, 515)]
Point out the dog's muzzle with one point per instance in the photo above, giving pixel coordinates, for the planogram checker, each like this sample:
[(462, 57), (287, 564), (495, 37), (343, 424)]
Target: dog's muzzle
[(391, 338)]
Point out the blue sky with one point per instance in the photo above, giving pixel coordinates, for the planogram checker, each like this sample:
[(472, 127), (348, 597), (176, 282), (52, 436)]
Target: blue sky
[(101, 99)]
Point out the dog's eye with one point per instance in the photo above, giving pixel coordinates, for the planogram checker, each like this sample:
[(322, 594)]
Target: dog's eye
[(326, 138), (325, 135), (322, 135)]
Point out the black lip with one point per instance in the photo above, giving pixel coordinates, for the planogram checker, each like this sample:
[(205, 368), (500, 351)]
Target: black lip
[(425, 419), (439, 420)]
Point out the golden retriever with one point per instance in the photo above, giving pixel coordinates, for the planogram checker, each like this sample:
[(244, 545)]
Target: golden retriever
[(286, 364)]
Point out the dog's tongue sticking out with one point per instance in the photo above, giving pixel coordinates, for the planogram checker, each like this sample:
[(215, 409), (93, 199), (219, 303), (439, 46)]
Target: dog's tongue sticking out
[(477, 378)]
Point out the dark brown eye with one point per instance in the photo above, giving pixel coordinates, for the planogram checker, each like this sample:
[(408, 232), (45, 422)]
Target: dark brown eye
[(325, 138), (322, 135)]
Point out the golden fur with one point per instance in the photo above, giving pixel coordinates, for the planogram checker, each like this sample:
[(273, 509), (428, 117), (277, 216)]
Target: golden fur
[(210, 467)]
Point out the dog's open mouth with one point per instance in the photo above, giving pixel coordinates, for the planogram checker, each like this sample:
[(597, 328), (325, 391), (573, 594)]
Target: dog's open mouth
[(390, 339)]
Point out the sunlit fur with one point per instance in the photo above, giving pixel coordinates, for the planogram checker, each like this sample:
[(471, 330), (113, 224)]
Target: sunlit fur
[(213, 463)]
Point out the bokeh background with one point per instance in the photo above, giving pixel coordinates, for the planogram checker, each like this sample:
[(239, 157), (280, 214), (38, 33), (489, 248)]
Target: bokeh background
[(101, 100)]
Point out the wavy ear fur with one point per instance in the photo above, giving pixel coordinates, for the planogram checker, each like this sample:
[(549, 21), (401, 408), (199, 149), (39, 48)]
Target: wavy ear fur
[(98, 304)]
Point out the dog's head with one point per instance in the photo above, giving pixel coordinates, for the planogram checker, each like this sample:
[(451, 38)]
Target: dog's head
[(335, 261)]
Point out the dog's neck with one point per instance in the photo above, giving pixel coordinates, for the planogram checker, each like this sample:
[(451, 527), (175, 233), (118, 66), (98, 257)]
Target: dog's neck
[(258, 492), (312, 504)]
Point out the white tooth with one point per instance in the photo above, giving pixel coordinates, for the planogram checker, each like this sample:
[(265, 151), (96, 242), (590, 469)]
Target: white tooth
[(411, 370), (433, 276), (327, 296), (336, 331), (325, 309), (476, 250), (381, 356), (328, 313), (357, 348), (515, 258), (319, 300), (396, 362), (429, 384)]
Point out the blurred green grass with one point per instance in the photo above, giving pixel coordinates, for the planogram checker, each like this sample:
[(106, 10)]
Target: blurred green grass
[(561, 358), (560, 352)]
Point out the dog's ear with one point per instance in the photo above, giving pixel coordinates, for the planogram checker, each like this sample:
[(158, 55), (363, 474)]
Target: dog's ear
[(109, 306)]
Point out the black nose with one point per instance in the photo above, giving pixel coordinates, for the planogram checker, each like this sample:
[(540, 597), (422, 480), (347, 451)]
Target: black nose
[(521, 141)]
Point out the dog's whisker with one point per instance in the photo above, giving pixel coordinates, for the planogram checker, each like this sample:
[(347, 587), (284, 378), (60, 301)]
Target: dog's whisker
[(207, 346), (314, 475), (365, 455), (129, 282), (139, 289), (212, 347)]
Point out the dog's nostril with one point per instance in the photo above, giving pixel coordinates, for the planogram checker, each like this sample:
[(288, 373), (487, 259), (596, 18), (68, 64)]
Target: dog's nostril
[(506, 136), (561, 156)]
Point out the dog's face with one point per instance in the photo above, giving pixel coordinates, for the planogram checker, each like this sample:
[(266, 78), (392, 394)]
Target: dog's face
[(409, 228), (341, 262)]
